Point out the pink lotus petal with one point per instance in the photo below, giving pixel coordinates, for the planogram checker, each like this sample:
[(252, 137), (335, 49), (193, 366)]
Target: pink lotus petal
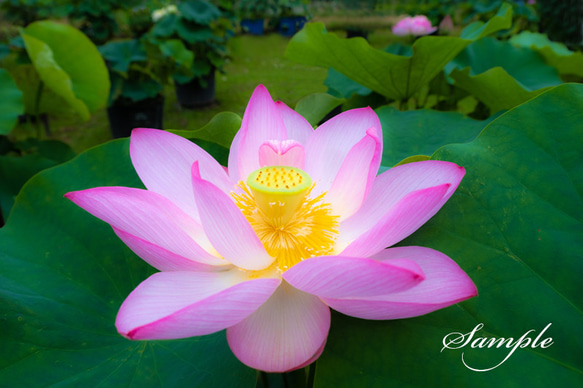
[(403, 219), (281, 153), (346, 277), (261, 122), (297, 127), (286, 332), (445, 284), (314, 357), (356, 176), (171, 305), (163, 160), (148, 216), (226, 227), (393, 185), (161, 258), (420, 25), (327, 148)]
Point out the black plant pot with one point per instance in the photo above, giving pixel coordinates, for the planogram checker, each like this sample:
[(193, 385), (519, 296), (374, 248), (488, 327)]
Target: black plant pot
[(125, 115), (192, 95)]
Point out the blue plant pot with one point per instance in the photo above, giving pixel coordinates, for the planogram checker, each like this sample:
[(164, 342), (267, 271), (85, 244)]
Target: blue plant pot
[(253, 26), (289, 25)]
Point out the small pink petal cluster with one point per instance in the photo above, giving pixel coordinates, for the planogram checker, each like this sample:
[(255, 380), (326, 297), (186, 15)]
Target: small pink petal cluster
[(446, 24), (417, 26), (298, 223)]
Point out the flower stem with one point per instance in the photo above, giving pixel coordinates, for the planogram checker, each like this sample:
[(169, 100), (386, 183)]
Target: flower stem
[(311, 375), (39, 93)]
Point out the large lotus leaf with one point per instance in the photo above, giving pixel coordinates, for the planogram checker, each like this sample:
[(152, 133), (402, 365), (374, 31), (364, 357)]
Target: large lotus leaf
[(4, 51), (166, 26), (194, 33), (175, 49), (555, 54), (139, 89), (394, 76), (201, 12), (515, 225), (27, 79), (216, 136), (340, 85), (68, 64), (315, 107), (500, 74), (121, 54), (10, 102), (16, 170), (422, 132), (220, 130), (64, 276)]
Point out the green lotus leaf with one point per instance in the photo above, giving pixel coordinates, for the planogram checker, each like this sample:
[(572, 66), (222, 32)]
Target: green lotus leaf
[(315, 107), (194, 33), (220, 130), (555, 54), (175, 49), (16, 170), (10, 102), (68, 64), (121, 54), (500, 74), (166, 26), (422, 132), (201, 12), (515, 225), (340, 85)]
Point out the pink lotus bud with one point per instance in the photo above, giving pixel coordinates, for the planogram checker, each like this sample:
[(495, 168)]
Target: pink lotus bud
[(417, 26), (446, 24)]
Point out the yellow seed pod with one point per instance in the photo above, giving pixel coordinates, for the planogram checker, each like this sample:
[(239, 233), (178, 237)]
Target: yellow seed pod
[(279, 190)]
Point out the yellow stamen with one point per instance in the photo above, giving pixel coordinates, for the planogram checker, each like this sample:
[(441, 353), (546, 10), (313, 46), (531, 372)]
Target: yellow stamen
[(291, 225)]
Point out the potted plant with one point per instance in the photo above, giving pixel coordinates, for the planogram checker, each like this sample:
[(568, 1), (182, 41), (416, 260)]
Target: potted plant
[(139, 69), (204, 31), (292, 16), (253, 13)]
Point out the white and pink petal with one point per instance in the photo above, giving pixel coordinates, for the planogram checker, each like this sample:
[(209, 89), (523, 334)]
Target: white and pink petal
[(171, 305), (297, 127), (286, 332), (162, 258), (345, 277), (395, 184), (281, 153), (331, 142), (227, 228), (445, 284), (355, 177), (261, 122), (403, 219), (163, 160), (151, 217)]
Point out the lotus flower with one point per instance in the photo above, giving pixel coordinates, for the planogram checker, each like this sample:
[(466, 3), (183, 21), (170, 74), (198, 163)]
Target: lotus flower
[(417, 26), (298, 223), (160, 13)]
